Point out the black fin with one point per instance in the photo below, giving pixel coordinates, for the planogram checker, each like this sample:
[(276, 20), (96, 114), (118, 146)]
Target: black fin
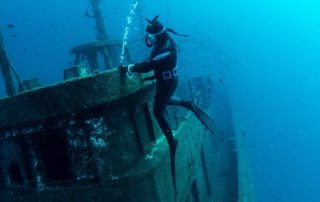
[(173, 174), (173, 149), (155, 18), (206, 120), (149, 21)]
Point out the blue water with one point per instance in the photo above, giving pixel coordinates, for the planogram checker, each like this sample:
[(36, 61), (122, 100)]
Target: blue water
[(265, 53)]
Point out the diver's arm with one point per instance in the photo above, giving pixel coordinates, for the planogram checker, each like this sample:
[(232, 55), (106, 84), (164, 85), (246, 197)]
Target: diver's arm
[(148, 65), (155, 62), (142, 67), (162, 59)]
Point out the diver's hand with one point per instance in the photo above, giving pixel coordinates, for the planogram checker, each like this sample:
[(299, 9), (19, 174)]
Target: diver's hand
[(125, 68)]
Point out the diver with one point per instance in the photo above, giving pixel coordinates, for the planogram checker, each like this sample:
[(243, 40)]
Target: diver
[(163, 61)]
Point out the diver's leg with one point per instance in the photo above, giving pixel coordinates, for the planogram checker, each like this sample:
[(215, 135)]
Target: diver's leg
[(163, 94), (176, 101), (164, 125)]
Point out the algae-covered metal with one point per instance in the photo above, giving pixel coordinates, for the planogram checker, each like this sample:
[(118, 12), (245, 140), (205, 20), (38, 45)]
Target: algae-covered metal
[(95, 139)]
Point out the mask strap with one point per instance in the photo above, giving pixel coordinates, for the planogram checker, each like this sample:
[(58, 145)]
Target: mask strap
[(159, 33), (176, 33)]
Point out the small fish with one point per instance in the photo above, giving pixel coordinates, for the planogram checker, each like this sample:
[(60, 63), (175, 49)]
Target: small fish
[(89, 14), (74, 32), (10, 26), (13, 35), (243, 133)]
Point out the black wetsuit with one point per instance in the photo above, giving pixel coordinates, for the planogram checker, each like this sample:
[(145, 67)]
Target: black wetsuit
[(163, 61)]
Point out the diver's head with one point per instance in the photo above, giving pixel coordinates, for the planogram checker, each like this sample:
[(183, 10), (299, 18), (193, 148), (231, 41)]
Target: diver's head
[(155, 32)]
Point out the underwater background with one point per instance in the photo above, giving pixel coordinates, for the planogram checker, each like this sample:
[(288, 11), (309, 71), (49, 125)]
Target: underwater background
[(265, 55)]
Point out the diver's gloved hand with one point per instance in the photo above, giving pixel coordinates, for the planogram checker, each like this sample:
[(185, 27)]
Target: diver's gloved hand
[(125, 68)]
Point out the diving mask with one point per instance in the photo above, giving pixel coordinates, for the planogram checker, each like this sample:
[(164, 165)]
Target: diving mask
[(151, 39)]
